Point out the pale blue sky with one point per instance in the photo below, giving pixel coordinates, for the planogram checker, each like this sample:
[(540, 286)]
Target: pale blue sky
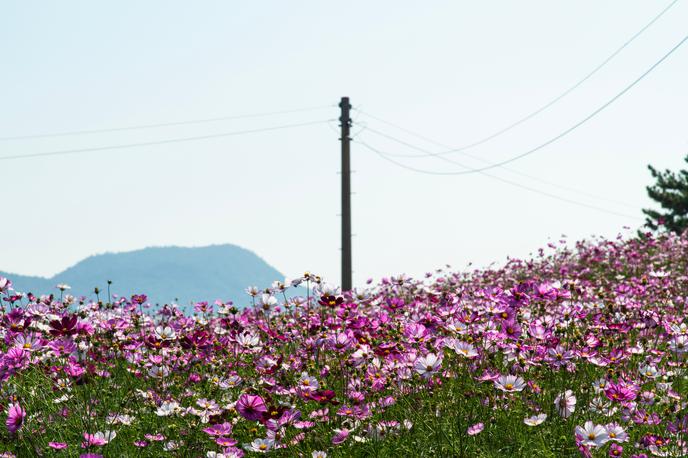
[(454, 71)]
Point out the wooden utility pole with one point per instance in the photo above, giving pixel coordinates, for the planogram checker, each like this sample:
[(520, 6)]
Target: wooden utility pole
[(345, 124)]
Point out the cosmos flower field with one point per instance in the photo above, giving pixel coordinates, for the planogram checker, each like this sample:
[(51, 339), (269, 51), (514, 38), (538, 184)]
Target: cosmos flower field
[(579, 351)]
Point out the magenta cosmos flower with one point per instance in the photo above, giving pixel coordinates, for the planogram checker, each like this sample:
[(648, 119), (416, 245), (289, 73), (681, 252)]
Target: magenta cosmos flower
[(251, 407), (621, 392), (15, 418), (224, 429)]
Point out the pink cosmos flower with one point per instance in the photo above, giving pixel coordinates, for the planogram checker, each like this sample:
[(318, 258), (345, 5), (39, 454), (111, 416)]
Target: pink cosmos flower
[(92, 439), (57, 445), (340, 436), (17, 358), (63, 346), (251, 407), (475, 429), (154, 437), (615, 450), (223, 429), (98, 439), (225, 441), (15, 418)]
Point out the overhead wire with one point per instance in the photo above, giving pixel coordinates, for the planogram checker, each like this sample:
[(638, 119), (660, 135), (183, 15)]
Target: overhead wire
[(551, 140), (560, 96), (161, 142), (509, 182), (427, 153), (166, 124), (364, 126)]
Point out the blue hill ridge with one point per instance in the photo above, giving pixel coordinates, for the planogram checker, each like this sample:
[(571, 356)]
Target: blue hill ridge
[(163, 274)]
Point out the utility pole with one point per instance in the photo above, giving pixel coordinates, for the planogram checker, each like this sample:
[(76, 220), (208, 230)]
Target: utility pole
[(345, 124)]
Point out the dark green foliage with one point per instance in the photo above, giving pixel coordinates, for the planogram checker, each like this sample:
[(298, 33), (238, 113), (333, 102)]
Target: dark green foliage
[(671, 192)]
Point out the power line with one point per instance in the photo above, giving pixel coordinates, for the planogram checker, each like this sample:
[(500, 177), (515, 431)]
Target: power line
[(165, 124), (512, 183), (560, 96), (364, 126), (531, 177), (556, 137), (161, 142)]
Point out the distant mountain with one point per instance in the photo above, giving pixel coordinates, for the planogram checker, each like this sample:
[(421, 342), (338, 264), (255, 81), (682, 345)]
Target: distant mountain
[(163, 274)]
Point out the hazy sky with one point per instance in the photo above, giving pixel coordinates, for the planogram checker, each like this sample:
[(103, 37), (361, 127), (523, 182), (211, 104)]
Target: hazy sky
[(454, 71)]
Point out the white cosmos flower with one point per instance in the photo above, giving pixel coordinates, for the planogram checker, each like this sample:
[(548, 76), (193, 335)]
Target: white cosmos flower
[(510, 383), (171, 445), (658, 274), (167, 408), (592, 435), (648, 371), (248, 340), (565, 403), (535, 419), (158, 372), (679, 344), (462, 348), (679, 328), (267, 301), (603, 406), (600, 385), (165, 333), (260, 445), (278, 285), (121, 419), (63, 398), (308, 383), (106, 436), (616, 433), (215, 455), (427, 365)]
